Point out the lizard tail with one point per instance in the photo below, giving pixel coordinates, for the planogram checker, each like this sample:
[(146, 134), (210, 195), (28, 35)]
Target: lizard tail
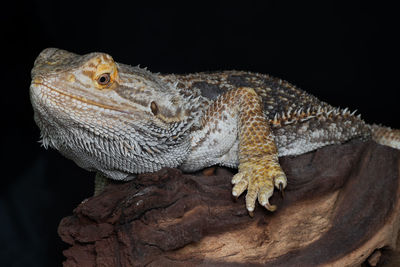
[(386, 136)]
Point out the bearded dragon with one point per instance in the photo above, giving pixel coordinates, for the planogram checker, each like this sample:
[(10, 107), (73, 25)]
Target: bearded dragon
[(119, 120)]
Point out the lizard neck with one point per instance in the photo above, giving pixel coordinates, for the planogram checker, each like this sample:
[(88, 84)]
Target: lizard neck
[(117, 152)]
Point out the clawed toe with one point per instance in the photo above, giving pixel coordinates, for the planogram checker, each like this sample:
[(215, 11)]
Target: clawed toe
[(259, 178), (270, 207), (281, 190)]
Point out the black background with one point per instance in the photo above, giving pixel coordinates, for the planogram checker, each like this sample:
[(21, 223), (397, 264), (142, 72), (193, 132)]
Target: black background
[(346, 54)]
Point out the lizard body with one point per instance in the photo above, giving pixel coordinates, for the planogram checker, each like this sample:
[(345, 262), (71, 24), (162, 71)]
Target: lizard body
[(120, 120)]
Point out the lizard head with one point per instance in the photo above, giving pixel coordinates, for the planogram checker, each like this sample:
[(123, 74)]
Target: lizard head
[(96, 80), (107, 116)]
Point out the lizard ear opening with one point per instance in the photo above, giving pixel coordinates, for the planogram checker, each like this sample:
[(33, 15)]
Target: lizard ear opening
[(154, 108)]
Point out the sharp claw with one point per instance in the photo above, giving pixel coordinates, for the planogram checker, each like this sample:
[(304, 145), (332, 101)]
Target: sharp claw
[(281, 190), (270, 207)]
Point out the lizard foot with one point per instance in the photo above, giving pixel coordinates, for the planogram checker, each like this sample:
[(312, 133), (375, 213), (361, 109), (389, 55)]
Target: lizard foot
[(259, 178)]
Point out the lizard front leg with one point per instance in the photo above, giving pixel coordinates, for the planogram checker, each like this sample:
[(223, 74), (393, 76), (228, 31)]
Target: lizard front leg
[(259, 169), (235, 133)]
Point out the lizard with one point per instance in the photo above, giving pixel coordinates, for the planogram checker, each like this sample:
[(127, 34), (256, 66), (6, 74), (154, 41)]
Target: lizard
[(119, 121)]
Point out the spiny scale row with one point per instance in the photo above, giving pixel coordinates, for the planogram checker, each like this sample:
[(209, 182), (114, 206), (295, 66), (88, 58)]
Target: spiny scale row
[(302, 115)]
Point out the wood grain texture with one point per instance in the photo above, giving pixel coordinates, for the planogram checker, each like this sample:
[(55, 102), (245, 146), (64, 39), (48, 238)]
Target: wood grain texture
[(340, 207)]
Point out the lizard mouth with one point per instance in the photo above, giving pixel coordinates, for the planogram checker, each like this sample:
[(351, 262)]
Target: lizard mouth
[(38, 82)]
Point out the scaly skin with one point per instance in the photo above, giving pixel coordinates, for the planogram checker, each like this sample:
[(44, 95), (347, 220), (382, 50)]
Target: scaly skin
[(120, 120)]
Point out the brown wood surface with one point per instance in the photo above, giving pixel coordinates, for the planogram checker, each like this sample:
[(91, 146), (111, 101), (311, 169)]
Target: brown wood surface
[(340, 208)]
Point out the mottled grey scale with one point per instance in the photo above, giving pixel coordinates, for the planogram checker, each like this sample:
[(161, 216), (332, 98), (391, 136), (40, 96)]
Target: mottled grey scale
[(241, 80), (141, 98), (301, 137), (277, 95), (285, 96), (208, 90)]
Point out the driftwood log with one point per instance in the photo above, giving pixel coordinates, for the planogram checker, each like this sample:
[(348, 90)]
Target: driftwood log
[(341, 208)]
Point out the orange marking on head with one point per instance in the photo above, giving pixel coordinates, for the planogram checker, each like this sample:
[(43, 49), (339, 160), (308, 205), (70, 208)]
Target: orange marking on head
[(88, 73), (98, 66)]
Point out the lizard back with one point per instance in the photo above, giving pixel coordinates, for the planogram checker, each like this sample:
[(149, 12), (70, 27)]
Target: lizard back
[(300, 121)]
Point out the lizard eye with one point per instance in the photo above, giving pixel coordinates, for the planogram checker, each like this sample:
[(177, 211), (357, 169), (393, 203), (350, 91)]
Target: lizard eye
[(104, 79)]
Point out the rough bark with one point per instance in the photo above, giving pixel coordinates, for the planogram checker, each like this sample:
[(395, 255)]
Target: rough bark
[(340, 208)]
